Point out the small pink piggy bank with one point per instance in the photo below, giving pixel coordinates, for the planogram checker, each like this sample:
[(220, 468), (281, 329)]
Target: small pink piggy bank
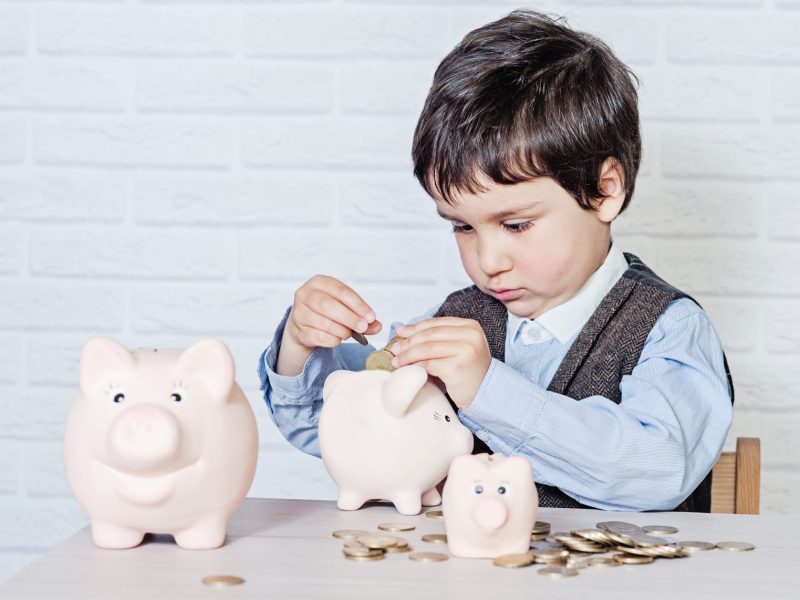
[(388, 435), (489, 503), (159, 441)]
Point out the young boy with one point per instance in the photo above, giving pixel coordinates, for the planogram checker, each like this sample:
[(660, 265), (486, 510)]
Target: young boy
[(565, 351)]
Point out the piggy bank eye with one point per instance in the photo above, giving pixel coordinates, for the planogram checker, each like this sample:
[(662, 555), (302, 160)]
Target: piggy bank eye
[(447, 418), (119, 398), (501, 490), (478, 489), (177, 397)]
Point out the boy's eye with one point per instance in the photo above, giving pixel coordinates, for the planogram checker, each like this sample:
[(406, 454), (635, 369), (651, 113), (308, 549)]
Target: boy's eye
[(517, 227), (461, 228)]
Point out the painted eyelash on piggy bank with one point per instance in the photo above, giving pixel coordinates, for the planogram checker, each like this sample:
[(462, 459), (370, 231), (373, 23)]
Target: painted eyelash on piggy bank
[(159, 441), (388, 435)]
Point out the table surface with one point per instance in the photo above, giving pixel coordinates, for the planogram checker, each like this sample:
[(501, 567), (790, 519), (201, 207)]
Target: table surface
[(284, 549)]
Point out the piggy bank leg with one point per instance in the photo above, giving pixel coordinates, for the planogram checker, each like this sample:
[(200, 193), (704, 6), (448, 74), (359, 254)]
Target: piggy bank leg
[(203, 535), (431, 498), (350, 500), (408, 503), (108, 535)]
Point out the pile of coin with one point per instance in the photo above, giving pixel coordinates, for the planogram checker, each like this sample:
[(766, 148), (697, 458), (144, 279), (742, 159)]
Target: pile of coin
[(364, 546), (561, 554), (609, 544)]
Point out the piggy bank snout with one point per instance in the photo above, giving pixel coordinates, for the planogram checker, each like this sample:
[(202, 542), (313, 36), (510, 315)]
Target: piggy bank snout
[(488, 513), (144, 437)]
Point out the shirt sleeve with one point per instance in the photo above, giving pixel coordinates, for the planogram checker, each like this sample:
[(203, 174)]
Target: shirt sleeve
[(295, 402), (650, 451)]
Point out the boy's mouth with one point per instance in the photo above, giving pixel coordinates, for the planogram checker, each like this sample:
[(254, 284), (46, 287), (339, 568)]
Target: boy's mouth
[(506, 294)]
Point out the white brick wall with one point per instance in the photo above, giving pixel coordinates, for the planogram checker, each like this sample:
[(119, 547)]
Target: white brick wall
[(172, 169)]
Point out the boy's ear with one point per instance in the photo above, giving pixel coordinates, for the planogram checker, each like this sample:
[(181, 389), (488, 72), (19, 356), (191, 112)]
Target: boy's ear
[(612, 185)]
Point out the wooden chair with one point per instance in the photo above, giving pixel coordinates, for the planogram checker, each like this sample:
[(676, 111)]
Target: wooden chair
[(736, 479)]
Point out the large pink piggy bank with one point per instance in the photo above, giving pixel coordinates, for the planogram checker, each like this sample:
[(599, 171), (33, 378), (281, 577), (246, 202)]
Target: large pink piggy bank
[(489, 504), (388, 435), (159, 441)]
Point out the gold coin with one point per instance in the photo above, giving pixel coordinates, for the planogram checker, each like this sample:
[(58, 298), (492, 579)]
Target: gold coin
[(399, 542), (379, 556), (359, 338), (550, 555), (434, 514), (595, 535), (696, 546), (353, 544), (736, 546), (399, 549), (396, 526), (428, 556), (435, 538), (541, 527), (630, 559), (354, 551), (602, 561), (539, 537), (576, 562), (349, 534), (660, 529), (513, 561), (377, 541), (222, 580), (558, 572), (380, 360)]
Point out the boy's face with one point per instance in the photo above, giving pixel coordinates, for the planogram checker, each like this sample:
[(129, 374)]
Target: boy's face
[(529, 244)]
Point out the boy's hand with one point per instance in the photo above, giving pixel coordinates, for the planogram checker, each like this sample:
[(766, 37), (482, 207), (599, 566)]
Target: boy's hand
[(452, 349), (325, 312)]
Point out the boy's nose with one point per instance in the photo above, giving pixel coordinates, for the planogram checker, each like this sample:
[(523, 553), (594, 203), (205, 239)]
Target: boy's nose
[(492, 257)]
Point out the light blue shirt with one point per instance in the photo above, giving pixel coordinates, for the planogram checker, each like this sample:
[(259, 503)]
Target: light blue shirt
[(649, 452)]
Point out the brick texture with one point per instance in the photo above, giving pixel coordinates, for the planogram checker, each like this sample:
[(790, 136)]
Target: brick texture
[(173, 170)]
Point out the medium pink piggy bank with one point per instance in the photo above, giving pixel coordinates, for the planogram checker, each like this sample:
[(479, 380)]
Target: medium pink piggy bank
[(489, 504), (388, 435), (159, 441)]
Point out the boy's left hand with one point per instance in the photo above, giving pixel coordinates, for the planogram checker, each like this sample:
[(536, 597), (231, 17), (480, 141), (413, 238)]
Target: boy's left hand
[(452, 349)]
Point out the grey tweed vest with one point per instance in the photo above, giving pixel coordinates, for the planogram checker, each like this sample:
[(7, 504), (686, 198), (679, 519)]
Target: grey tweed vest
[(607, 348)]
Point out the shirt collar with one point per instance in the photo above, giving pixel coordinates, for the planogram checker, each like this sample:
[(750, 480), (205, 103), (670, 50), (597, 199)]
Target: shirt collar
[(565, 320)]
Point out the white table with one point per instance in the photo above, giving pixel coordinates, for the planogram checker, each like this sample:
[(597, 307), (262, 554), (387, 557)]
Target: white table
[(284, 549)]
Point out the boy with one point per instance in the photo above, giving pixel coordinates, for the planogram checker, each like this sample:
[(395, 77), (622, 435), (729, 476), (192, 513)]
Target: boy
[(565, 351)]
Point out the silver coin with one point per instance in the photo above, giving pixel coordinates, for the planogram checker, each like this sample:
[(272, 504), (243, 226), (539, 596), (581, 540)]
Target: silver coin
[(696, 546), (660, 529), (736, 546)]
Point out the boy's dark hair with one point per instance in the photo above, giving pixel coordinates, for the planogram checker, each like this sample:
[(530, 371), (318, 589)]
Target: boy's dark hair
[(524, 97)]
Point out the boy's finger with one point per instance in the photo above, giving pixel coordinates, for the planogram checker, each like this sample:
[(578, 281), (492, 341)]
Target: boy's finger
[(348, 297), (408, 330), (429, 351), (312, 320), (433, 334), (374, 327), (330, 308)]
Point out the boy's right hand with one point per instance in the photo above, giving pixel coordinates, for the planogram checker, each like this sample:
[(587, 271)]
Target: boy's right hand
[(325, 312)]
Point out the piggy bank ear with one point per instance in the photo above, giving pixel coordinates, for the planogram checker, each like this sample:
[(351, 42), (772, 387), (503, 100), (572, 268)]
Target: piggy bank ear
[(100, 358), (517, 466), (462, 462), (402, 387), (209, 361)]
